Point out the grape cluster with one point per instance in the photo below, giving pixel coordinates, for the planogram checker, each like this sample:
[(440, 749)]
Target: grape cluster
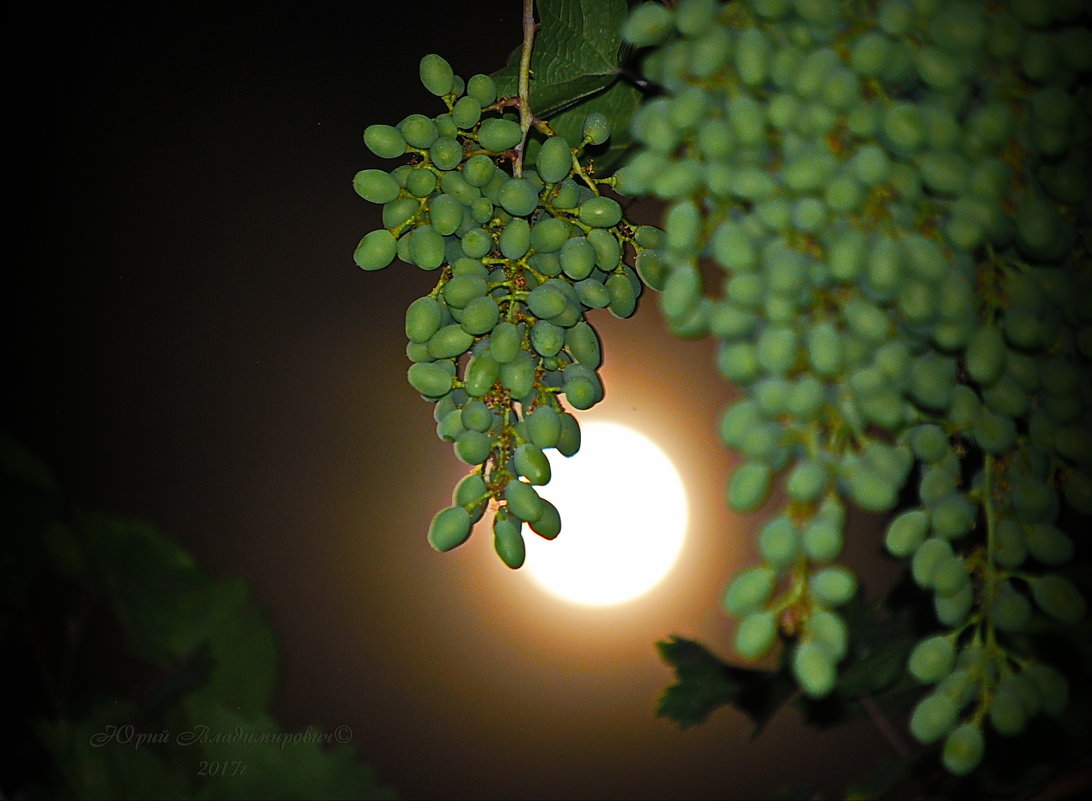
[(893, 199), (522, 255)]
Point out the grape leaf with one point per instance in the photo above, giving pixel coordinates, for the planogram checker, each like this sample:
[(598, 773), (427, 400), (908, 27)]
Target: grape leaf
[(705, 683), (575, 53)]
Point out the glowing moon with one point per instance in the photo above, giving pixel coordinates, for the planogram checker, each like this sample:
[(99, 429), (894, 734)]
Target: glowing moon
[(623, 519)]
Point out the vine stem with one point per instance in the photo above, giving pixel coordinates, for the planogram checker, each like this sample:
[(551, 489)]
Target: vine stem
[(526, 118)]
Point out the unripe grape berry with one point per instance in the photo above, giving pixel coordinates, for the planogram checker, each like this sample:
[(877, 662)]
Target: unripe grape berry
[(436, 75), (756, 634), (596, 129), (813, 669), (749, 589), (963, 749), (497, 135), (523, 501), (508, 540), (933, 718), (1059, 598), (449, 528), (548, 525), (376, 250), (932, 659)]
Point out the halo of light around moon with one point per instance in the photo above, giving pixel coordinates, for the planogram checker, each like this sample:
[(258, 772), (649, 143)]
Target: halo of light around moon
[(624, 517)]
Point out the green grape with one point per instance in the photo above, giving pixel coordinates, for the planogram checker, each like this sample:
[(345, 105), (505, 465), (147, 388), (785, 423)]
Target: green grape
[(756, 634), (813, 669), (449, 341), (581, 391), (466, 113), (779, 542), (623, 297), (554, 160), (592, 293), (952, 516), (449, 528), (907, 532), (470, 493), (568, 442), (547, 338), (963, 749), (477, 416), (531, 462), (933, 718), (829, 631), (872, 490), (777, 349), (445, 214), (600, 212), (748, 486), (518, 375), (548, 235), (419, 131), (544, 427), (462, 289), (399, 211), (376, 250), (1059, 598), (450, 426), (647, 24), (473, 447), (504, 342), (548, 525), (482, 372), (376, 186), (1048, 544), (929, 442), (806, 397), (583, 343), (596, 129), (577, 258), (952, 610), (508, 539), (749, 590), (950, 576), (523, 501), (498, 135), (436, 75), (426, 247), (985, 356), (430, 379), (384, 141), (833, 586), (958, 686), (482, 88), (822, 540), (926, 558), (1033, 500), (1010, 610), (518, 196), (546, 301)]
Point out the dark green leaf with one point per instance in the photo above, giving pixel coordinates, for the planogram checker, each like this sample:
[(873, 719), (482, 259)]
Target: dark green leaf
[(706, 683), (575, 53)]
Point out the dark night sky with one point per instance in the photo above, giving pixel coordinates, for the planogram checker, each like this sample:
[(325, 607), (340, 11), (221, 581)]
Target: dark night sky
[(191, 344)]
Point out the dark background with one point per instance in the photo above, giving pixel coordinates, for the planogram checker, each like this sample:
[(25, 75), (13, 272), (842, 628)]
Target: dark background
[(189, 342)]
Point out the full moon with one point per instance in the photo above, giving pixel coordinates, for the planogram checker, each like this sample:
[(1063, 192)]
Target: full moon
[(623, 519)]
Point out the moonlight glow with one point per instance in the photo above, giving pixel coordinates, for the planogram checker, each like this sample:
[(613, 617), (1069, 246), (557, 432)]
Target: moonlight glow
[(623, 519)]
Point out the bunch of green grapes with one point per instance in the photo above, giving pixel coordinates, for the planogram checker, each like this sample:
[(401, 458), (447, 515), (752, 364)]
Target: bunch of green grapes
[(522, 255), (894, 199)]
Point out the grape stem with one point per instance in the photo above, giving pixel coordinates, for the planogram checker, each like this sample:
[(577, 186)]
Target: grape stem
[(526, 118)]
